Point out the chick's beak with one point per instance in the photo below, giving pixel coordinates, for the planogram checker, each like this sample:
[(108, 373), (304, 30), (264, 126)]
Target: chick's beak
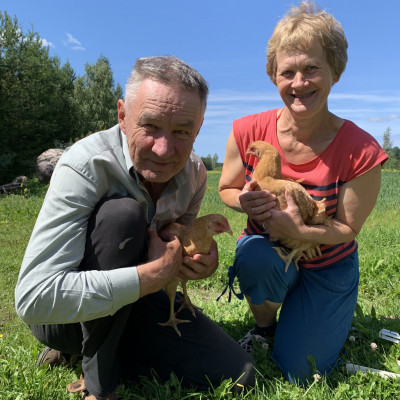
[(227, 228)]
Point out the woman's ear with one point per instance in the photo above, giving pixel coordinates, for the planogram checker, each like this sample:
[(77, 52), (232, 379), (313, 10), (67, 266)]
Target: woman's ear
[(336, 80)]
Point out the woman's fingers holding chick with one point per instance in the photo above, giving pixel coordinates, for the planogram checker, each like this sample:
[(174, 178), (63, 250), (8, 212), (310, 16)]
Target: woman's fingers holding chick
[(257, 203)]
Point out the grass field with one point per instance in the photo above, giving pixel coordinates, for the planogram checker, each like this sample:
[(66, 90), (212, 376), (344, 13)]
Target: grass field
[(379, 307)]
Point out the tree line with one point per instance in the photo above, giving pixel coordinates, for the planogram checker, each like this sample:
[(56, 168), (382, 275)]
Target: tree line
[(44, 104), (210, 163), (392, 151)]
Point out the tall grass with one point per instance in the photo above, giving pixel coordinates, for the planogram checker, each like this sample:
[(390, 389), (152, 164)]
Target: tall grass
[(379, 307)]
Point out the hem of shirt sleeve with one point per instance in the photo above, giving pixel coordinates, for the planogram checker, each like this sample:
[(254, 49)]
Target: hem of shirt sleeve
[(381, 159), (125, 286)]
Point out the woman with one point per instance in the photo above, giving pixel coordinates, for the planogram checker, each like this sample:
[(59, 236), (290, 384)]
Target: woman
[(336, 160)]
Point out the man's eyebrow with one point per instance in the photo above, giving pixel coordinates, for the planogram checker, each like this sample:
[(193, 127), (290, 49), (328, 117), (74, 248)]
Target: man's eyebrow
[(150, 118), (185, 124), (147, 118)]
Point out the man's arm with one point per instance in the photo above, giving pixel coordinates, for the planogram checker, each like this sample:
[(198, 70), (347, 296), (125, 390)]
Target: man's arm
[(50, 288)]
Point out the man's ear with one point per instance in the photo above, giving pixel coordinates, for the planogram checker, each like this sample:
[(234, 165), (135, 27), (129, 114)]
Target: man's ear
[(200, 127), (121, 114)]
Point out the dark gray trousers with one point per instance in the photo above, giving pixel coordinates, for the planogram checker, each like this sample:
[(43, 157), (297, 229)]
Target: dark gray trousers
[(131, 342)]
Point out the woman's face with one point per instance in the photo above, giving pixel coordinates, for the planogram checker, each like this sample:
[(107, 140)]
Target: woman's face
[(304, 80)]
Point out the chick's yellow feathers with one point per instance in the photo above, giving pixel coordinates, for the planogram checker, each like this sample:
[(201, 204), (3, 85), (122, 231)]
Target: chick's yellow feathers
[(269, 177), (195, 238)]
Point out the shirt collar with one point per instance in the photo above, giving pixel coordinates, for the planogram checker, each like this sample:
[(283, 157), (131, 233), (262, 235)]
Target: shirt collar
[(125, 149)]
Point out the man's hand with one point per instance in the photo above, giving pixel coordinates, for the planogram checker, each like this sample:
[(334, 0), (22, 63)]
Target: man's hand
[(200, 266), (164, 262)]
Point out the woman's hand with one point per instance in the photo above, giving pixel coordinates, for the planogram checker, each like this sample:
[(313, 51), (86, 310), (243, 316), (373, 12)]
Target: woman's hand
[(287, 223), (256, 203)]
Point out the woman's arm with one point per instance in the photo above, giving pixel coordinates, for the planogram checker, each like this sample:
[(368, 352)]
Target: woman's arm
[(238, 194)]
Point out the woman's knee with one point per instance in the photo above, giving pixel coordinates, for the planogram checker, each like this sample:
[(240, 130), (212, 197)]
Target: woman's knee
[(255, 254), (256, 260)]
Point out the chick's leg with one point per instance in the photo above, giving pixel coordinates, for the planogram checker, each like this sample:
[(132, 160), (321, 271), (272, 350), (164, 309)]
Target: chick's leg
[(170, 289), (186, 302), (287, 257)]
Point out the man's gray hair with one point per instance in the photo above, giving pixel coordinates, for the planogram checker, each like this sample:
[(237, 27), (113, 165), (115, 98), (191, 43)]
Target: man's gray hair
[(167, 70)]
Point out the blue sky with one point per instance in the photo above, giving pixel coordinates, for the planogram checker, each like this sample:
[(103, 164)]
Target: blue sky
[(226, 41)]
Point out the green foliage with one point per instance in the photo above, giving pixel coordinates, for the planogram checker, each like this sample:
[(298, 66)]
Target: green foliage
[(210, 163), (96, 97), (379, 307), (43, 103), (34, 97), (387, 142), (392, 152), (20, 379), (394, 159)]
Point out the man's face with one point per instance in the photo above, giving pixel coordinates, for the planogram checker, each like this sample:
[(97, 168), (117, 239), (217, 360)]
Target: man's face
[(161, 125)]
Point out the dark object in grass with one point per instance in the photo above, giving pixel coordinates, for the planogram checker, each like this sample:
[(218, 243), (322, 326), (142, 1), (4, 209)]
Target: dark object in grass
[(16, 186)]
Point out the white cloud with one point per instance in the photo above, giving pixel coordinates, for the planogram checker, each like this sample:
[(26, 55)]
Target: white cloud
[(73, 43), (78, 48), (375, 119), (45, 43), (388, 118), (72, 40), (232, 96)]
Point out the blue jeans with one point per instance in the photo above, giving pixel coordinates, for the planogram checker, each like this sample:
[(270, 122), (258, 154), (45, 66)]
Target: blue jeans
[(317, 310)]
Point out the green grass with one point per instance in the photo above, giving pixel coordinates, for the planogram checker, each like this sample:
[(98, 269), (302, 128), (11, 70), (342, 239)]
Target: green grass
[(379, 307)]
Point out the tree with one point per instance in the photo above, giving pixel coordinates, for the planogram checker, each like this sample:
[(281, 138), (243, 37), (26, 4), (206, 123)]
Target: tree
[(210, 162), (387, 143), (207, 161), (43, 104), (214, 161), (96, 97), (392, 152), (36, 98)]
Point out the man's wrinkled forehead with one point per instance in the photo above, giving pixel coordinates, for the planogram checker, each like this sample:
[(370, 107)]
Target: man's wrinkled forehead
[(181, 121)]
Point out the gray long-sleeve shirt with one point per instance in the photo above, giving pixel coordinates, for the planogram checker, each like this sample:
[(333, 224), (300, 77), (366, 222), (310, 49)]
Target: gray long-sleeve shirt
[(50, 287)]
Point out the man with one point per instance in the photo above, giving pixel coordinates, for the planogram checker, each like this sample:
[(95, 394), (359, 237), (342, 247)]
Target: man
[(92, 273)]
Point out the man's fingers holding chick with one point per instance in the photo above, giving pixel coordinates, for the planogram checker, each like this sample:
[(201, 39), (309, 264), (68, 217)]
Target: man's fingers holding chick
[(200, 266), (163, 265), (166, 255)]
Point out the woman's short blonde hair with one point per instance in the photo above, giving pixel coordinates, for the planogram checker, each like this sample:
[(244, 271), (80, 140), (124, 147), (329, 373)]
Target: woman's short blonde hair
[(298, 30)]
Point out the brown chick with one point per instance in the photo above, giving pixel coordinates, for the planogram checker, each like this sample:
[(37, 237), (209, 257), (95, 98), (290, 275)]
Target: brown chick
[(195, 239), (269, 177)]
